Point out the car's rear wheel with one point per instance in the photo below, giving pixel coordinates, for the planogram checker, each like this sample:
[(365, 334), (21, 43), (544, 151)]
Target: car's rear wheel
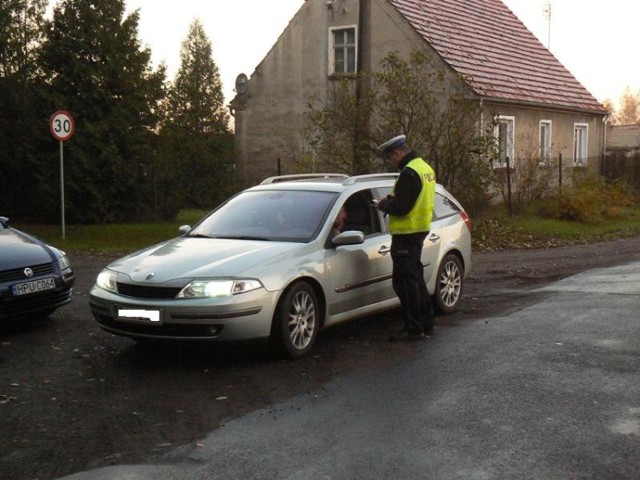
[(296, 321), (448, 291)]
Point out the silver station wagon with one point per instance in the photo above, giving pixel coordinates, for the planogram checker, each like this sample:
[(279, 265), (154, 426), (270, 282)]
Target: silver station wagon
[(271, 263)]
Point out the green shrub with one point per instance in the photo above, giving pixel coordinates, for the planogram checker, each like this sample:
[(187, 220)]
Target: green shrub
[(590, 199)]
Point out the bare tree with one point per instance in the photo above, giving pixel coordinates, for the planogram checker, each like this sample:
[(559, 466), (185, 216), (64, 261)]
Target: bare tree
[(629, 108), (529, 177), (410, 97), (611, 108), (334, 133)]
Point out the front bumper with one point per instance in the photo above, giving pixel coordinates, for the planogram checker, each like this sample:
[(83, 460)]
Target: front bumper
[(32, 305), (238, 318)]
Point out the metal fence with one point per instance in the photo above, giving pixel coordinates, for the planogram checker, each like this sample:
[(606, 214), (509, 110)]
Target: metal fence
[(522, 181)]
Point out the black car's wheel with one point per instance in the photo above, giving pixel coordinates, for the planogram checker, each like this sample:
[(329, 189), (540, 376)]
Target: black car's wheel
[(448, 284), (296, 321)]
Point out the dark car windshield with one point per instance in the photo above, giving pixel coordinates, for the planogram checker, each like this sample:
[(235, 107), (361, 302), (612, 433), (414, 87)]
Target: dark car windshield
[(275, 215)]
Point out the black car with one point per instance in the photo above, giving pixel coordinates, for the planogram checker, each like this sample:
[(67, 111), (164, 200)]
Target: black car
[(35, 278)]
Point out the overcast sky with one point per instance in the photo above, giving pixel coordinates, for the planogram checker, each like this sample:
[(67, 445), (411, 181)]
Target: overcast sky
[(592, 38)]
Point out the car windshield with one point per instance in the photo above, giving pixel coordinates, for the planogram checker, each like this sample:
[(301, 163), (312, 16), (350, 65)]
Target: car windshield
[(275, 215)]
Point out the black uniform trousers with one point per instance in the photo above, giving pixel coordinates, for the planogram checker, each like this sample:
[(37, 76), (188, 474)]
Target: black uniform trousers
[(408, 282)]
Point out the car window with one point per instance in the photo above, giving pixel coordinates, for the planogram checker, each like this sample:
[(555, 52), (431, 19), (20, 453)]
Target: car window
[(361, 214), (444, 207), (383, 192), (277, 215)]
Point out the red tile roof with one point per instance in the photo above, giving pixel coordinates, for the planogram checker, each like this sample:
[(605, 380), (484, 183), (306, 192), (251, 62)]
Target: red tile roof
[(484, 41)]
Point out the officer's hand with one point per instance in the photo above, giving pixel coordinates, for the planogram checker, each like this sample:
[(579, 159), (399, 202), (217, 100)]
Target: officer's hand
[(382, 204)]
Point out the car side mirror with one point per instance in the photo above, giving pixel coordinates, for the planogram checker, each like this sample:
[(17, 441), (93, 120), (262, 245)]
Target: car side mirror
[(184, 229), (348, 237)]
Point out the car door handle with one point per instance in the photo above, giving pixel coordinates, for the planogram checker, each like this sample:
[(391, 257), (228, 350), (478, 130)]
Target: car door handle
[(434, 238), (384, 250)]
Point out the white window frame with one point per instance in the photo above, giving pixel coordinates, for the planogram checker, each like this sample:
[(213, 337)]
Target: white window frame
[(346, 47), (546, 131), (509, 150), (580, 144)]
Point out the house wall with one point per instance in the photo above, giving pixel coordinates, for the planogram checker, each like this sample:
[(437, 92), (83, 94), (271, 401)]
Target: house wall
[(268, 116), (527, 132)]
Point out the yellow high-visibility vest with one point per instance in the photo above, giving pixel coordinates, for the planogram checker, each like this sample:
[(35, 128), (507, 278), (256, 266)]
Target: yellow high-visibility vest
[(419, 217)]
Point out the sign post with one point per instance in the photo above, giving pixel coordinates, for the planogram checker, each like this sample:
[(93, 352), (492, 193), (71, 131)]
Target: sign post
[(62, 128)]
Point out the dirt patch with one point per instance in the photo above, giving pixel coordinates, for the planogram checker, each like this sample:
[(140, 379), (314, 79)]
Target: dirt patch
[(73, 397)]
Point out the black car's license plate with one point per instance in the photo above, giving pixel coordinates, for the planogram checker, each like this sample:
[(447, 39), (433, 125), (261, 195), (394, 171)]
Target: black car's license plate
[(34, 286)]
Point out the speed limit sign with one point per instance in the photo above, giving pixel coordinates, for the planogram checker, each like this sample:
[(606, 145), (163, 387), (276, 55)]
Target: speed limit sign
[(61, 125)]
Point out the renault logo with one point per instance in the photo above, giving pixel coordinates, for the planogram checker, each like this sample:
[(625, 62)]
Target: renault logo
[(28, 272)]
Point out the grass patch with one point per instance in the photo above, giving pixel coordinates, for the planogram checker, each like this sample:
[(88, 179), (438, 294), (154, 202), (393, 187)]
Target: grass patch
[(496, 231), (578, 230), (116, 238)]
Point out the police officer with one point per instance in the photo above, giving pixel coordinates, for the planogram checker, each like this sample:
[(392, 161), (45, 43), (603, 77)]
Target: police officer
[(409, 206)]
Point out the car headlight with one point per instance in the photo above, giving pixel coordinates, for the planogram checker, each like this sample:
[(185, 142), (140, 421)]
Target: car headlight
[(218, 288), (63, 261), (107, 280)]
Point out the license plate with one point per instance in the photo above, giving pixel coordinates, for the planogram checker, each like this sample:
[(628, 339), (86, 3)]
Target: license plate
[(145, 316), (34, 286)]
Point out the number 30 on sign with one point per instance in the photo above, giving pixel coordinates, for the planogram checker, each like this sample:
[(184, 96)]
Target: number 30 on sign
[(61, 125)]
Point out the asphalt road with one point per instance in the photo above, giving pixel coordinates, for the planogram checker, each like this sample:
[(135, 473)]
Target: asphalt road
[(548, 391)]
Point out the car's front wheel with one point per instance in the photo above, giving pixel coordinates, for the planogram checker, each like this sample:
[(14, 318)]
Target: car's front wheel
[(448, 291), (296, 321)]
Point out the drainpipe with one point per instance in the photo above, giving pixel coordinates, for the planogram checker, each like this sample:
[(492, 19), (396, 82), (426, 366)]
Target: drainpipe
[(603, 150), (481, 116)]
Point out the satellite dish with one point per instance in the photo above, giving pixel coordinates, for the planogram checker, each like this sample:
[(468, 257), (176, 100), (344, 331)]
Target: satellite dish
[(242, 84)]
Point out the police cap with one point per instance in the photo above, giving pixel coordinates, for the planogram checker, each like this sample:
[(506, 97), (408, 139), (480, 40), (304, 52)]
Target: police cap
[(390, 145)]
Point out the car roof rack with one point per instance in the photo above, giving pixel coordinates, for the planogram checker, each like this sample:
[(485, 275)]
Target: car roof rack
[(302, 176), (370, 176)]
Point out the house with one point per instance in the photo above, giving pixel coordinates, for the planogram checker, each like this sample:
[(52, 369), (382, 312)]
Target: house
[(483, 46)]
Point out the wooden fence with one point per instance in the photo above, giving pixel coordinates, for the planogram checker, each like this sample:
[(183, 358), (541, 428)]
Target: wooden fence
[(618, 165)]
